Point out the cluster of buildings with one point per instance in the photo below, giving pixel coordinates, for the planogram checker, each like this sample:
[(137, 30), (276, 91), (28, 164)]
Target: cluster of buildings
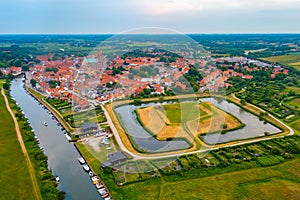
[(82, 79), (11, 70)]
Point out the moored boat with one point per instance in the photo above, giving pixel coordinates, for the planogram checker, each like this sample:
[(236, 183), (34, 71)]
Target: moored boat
[(81, 160), (86, 167)]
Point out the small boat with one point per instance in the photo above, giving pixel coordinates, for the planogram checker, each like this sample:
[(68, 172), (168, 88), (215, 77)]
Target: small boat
[(68, 137), (81, 160), (45, 124), (102, 191), (86, 167), (104, 195), (99, 185), (107, 198), (57, 178), (91, 173)]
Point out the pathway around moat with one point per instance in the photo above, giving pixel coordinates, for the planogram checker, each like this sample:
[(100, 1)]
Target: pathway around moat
[(205, 149)]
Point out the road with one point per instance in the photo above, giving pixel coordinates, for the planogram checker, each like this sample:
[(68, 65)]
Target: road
[(20, 139)]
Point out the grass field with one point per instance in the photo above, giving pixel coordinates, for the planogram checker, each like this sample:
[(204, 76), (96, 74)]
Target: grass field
[(292, 60), (295, 102), (178, 120), (277, 182), (15, 182)]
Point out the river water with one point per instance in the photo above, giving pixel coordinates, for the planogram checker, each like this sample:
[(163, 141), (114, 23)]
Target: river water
[(62, 155)]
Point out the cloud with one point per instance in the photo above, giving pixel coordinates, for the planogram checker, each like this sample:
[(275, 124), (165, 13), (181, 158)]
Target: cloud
[(156, 8)]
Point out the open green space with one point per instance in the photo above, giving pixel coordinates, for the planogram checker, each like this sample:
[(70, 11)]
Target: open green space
[(277, 182), (76, 119), (292, 60), (295, 103), (236, 172), (15, 182), (178, 113)]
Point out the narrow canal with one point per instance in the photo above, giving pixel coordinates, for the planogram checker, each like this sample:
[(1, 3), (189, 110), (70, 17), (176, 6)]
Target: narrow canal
[(62, 155)]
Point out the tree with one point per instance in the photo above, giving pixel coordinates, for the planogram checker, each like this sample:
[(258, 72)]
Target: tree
[(137, 102), (243, 101), (6, 86), (131, 76), (33, 82), (25, 68), (108, 84)]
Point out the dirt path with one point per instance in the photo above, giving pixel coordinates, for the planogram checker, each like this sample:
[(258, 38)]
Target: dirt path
[(29, 164)]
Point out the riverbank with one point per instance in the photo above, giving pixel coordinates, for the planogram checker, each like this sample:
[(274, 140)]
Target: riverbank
[(62, 155), (31, 170), (44, 181), (21, 187), (57, 115)]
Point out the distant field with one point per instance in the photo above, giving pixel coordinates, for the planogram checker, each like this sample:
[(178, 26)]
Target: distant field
[(15, 182), (292, 60), (178, 120)]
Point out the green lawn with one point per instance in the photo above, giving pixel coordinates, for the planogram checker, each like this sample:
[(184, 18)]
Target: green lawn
[(15, 182), (292, 60), (183, 112), (277, 182)]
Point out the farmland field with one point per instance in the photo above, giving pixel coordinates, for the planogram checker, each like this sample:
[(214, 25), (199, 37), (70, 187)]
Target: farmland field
[(292, 60)]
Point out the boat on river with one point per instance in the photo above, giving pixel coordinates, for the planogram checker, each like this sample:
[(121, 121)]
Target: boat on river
[(86, 167), (45, 124), (81, 160)]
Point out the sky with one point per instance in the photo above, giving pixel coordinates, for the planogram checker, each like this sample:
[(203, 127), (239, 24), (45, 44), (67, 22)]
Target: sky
[(117, 16)]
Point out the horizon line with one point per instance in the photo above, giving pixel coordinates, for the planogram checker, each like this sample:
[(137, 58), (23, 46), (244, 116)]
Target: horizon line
[(187, 33)]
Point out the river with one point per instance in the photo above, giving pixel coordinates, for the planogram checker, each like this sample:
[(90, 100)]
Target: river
[(62, 155)]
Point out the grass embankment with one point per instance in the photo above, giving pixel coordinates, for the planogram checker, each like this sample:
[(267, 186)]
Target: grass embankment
[(58, 116), (15, 181), (172, 120), (248, 107), (292, 60)]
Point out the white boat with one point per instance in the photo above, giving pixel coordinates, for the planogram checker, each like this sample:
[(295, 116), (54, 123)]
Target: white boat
[(45, 124), (57, 178), (81, 160), (91, 173), (86, 167), (68, 137)]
